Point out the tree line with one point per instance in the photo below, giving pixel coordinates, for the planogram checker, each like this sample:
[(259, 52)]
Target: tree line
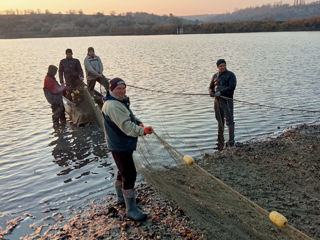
[(277, 12), (69, 25), (281, 12)]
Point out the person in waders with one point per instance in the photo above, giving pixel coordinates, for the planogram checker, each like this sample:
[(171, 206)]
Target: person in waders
[(53, 93), (122, 129), (222, 86)]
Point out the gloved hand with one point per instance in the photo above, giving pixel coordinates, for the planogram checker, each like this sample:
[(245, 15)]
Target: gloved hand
[(211, 93), (148, 130), (217, 94), (141, 125)]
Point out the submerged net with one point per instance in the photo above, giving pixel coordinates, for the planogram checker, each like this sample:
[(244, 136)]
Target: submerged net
[(216, 207), (84, 107)]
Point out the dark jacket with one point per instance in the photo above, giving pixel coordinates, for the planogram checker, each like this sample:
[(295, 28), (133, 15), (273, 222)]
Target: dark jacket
[(71, 70), (117, 140), (224, 82)]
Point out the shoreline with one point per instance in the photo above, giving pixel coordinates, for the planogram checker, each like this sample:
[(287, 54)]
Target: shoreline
[(151, 34), (280, 173), (107, 220)]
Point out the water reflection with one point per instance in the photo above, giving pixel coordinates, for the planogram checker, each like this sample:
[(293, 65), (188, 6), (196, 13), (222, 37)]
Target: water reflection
[(75, 148)]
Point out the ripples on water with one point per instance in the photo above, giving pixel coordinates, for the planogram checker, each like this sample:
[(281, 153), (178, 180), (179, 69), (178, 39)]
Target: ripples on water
[(41, 168)]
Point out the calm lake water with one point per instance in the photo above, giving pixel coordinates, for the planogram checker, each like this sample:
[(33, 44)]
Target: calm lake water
[(41, 168)]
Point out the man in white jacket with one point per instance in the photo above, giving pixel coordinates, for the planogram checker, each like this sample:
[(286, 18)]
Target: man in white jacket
[(94, 70)]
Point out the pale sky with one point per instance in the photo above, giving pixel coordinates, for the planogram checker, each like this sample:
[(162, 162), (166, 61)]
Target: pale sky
[(159, 7)]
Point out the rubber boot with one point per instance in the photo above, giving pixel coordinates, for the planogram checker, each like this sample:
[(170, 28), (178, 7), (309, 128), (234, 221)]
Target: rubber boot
[(132, 210), (230, 143), (220, 143), (118, 187)]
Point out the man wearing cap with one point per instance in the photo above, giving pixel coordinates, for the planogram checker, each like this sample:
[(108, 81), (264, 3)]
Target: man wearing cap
[(122, 129), (222, 86), (70, 70), (53, 93), (94, 69)]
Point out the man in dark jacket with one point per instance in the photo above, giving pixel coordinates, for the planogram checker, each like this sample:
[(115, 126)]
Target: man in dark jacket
[(70, 69), (53, 93), (222, 86), (122, 129)]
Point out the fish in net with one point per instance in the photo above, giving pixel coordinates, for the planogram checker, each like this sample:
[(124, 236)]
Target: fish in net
[(217, 208), (84, 107)]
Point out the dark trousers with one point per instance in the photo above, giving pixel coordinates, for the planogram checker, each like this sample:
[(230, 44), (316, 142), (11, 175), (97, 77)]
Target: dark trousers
[(103, 81), (224, 114), (126, 169), (58, 113)]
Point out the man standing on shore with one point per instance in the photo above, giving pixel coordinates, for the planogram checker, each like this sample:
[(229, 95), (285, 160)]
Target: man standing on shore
[(122, 129), (70, 69), (94, 69), (222, 86)]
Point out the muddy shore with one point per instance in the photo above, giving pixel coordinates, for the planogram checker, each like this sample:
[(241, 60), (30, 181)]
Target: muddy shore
[(281, 174), (107, 220)]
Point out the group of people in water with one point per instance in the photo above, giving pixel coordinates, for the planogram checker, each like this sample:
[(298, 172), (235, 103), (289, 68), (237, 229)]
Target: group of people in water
[(121, 126), (70, 77)]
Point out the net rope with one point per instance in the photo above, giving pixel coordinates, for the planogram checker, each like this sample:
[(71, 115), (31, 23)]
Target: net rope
[(226, 98)]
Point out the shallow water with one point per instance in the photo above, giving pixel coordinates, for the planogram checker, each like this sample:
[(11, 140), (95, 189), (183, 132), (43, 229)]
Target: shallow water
[(41, 168)]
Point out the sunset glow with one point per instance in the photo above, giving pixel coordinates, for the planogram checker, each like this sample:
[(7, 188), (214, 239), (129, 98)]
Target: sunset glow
[(177, 7)]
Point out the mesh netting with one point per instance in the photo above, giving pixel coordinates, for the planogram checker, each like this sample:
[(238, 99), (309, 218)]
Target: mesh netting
[(216, 207), (83, 108)]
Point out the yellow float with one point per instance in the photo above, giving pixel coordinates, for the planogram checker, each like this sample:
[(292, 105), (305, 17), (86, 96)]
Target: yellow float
[(188, 160), (278, 219)]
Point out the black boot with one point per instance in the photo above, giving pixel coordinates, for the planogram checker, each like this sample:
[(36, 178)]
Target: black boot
[(132, 210), (220, 143), (118, 187), (230, 143)]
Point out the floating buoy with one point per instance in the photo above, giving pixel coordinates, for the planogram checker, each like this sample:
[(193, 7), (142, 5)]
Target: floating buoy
[(278, 219), (188, 160)]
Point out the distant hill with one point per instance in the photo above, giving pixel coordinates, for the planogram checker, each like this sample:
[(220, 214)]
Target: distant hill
[(275, 12), (58, 25), (72, 25)]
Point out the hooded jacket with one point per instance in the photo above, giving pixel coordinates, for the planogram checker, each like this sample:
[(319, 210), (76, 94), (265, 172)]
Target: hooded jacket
[(93, 67), (52, 90)]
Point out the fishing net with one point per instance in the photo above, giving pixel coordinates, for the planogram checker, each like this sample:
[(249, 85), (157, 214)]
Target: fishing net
[(83, 107), (216, 207)]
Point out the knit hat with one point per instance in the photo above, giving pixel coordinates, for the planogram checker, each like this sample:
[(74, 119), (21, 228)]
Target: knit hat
[(113, 83), (52, 70), (221, 61)]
